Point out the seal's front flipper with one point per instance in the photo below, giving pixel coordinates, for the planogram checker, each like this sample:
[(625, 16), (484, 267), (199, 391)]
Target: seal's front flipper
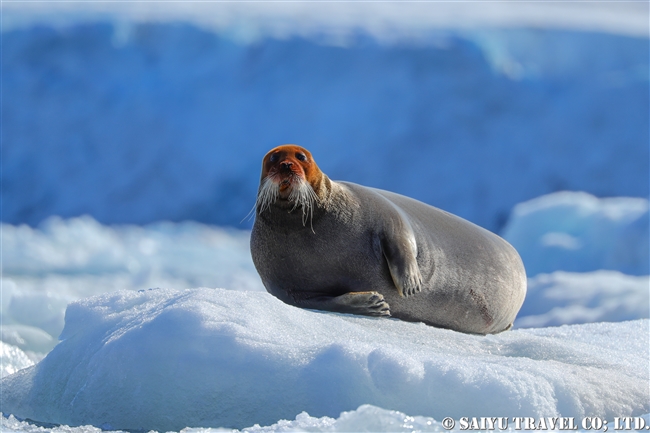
[(365, 303), (400, 251)]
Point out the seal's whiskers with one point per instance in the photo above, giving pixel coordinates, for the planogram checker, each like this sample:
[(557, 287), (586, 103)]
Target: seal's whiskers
[(302, 196), (267, 195)]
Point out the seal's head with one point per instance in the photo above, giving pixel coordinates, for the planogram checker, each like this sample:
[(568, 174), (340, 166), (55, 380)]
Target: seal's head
[(290, 178)]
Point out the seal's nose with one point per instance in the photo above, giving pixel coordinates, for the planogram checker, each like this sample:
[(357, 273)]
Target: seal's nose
[(286, 165)]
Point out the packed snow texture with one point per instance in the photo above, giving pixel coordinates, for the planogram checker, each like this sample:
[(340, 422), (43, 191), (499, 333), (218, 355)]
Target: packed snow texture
[(577, 232), (65, 260), (165, 359), (134, 122)]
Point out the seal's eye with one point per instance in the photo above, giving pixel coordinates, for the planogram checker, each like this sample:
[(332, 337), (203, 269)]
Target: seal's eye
[(301, 156), (275, 157)]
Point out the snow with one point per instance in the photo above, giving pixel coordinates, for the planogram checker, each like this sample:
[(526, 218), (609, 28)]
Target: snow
[(366, 418), (64, 260), (190, 358), (12, 359), (44, 269), (602, 296), (577, 232), (88, 253), (166, 359)]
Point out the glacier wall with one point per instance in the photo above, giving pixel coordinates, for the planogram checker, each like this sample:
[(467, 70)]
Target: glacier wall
[(134, 123)]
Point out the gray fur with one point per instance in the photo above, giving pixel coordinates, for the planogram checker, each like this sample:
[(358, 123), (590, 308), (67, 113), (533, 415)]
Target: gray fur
[(369, 251)]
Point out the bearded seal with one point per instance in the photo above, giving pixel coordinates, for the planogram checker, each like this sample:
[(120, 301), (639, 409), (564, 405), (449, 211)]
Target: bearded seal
[(342, 247)]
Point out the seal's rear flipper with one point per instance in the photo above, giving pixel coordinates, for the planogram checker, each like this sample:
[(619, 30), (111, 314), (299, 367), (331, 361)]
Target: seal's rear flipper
[(365, 303)]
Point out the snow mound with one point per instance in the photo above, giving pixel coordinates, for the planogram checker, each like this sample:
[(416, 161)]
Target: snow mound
[(46, 268), (12, 359), (577, 232), (566, 298), (164, 359), (63, 260)]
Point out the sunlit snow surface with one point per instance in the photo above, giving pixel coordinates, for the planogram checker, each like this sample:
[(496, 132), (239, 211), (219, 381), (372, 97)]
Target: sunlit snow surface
[(173, 353), (64, 260), (166, 359)]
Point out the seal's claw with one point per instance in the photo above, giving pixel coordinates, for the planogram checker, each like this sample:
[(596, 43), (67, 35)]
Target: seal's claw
[(413, 284), (366, 303), (378, 306)]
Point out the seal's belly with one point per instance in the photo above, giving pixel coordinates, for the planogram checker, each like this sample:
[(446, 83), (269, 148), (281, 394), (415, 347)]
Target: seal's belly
[(314, 266)]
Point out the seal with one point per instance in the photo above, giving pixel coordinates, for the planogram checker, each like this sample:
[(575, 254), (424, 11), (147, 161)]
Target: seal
[(342, 247)]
